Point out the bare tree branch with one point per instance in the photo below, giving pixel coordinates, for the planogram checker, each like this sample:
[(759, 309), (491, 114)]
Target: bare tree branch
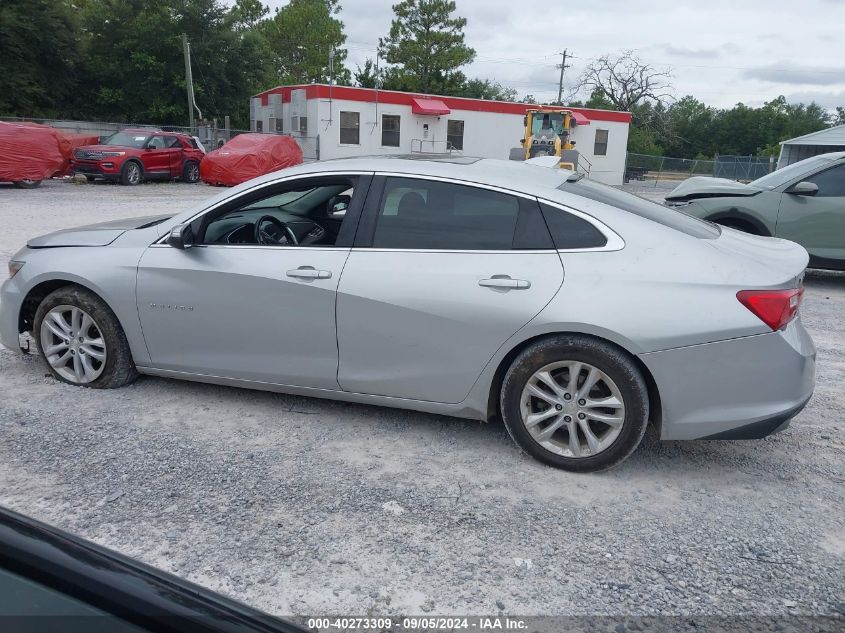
[(626, 80)]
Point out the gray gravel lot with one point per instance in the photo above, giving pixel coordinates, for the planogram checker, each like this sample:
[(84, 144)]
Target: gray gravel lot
[(302, 506)]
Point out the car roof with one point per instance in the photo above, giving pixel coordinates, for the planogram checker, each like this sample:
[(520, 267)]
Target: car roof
[(506, 174)]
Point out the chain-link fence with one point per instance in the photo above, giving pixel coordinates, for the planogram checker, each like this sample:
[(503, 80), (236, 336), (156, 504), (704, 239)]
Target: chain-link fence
[(210, 135), (658, 175)]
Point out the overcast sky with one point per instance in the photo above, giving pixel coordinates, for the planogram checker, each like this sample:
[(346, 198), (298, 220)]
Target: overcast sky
[(721, 51)]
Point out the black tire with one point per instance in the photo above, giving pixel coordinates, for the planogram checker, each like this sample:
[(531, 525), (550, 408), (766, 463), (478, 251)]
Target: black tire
[(604, 356), (90, 178), (128, 174), (119, 367), (27, 184), (191, 172)]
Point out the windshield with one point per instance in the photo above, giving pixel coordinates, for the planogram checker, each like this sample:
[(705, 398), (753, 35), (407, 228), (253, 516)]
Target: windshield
[(545, 121), (127, 139), (790, 172)]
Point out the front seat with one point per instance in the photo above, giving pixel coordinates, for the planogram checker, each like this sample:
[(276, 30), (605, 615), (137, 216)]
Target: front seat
[(411, 205)]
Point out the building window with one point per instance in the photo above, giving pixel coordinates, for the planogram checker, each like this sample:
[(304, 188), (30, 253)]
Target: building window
[(274, 124), (454, 134), (600, 148), (350, 128), (390, 130), (259, 126)]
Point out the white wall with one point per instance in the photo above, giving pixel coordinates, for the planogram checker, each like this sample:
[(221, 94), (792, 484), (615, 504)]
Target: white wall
[(486, 134)]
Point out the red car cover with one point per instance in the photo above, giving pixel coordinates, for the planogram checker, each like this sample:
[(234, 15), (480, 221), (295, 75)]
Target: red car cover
[(29, 152), (247, 156)]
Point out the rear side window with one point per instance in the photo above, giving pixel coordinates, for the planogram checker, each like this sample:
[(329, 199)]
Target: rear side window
[(428, 214), (569, 231), (672, 218)]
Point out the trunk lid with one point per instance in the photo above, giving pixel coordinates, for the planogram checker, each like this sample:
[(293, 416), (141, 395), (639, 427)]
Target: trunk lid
[(761, 262)]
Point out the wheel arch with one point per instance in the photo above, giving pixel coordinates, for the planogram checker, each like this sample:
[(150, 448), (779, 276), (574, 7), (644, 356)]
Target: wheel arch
[(741, 217), (37, 294), (493, 408)]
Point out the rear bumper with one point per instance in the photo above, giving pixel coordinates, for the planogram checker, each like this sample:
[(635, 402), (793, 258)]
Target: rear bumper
[(744, 388)]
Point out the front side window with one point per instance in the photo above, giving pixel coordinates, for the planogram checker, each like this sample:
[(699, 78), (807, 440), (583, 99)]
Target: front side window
[(390, 130), (428, 214), (350, 129), (455, 134), (308, 213), (831, 182), (600, 148)]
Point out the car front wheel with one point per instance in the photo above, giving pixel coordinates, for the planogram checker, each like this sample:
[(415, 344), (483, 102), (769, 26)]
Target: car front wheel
[(81, 340), (131, 173), (575, 403)]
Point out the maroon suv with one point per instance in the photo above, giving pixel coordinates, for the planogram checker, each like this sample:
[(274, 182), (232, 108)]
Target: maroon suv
[(130, 156)]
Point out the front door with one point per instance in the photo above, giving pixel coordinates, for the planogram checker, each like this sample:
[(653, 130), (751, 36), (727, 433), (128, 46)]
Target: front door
[(817, 222), (255, 299), (441, 276)]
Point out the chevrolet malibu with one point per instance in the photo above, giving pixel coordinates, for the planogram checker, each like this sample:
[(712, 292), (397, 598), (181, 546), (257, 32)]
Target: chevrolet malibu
[(472, 288)]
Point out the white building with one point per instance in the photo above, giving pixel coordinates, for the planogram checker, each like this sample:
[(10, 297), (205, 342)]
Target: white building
[(339, 121), (831, 139)]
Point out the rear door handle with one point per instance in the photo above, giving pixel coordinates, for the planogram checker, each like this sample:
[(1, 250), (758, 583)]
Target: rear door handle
[(309, 272), (503, 281)]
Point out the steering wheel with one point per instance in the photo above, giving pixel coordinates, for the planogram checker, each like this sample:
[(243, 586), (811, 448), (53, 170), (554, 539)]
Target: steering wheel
[(263, 237)]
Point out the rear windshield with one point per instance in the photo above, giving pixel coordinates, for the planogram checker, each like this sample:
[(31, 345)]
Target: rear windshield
[(653, 211)]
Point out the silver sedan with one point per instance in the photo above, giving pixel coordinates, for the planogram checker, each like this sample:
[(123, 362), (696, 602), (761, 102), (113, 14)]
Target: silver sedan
[(473, 288)]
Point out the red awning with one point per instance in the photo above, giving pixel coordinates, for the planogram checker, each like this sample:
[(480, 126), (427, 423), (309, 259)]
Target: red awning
[(431, 107), (580, 119)]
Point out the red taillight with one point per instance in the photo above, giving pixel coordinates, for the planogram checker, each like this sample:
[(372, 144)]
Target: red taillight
[(775, 308)]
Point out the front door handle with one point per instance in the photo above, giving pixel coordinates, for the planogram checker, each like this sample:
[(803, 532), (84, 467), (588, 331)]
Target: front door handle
[(309, 272), (504, 281)]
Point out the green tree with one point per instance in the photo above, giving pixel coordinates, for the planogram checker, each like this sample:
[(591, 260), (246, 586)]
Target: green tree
[(134, 61), (426, 46), (302, 36), (839, 117), (485, 89), (368, 76), (39, 46)]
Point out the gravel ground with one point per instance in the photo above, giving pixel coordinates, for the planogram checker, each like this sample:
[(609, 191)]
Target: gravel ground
[(302, 506)]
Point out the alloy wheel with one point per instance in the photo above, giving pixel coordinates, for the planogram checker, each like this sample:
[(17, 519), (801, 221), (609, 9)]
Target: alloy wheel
[(133, 173), (193, 172), (73, 344), (572, 409)]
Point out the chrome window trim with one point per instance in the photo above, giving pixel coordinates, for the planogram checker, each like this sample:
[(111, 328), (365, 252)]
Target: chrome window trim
[(162, 241), (614, 240)]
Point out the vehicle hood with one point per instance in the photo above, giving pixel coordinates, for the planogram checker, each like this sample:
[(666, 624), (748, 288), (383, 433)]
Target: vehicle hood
[(706, 187), (101, 234)]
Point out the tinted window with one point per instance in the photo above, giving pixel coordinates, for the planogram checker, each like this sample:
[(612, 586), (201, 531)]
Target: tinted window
[(672, 218), (172, 141), (455, 134), (600, 148), (570, 231), (390, 130), (350, 128), (427, 214), (831, 182)]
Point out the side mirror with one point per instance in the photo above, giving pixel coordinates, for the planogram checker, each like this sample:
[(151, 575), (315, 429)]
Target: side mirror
[(181, 236), (803, 188)]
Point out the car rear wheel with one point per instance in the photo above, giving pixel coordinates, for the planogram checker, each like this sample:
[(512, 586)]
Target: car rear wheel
[(131, 173), (81, 340), (27, 184), (191, 171), (575, 403)]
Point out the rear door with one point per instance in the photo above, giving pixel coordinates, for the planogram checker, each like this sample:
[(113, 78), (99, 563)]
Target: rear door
[(441, 275), (817, 222)]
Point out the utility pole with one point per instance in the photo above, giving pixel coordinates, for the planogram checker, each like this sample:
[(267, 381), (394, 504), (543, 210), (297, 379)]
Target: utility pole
[(189, 80), (562, 67)]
